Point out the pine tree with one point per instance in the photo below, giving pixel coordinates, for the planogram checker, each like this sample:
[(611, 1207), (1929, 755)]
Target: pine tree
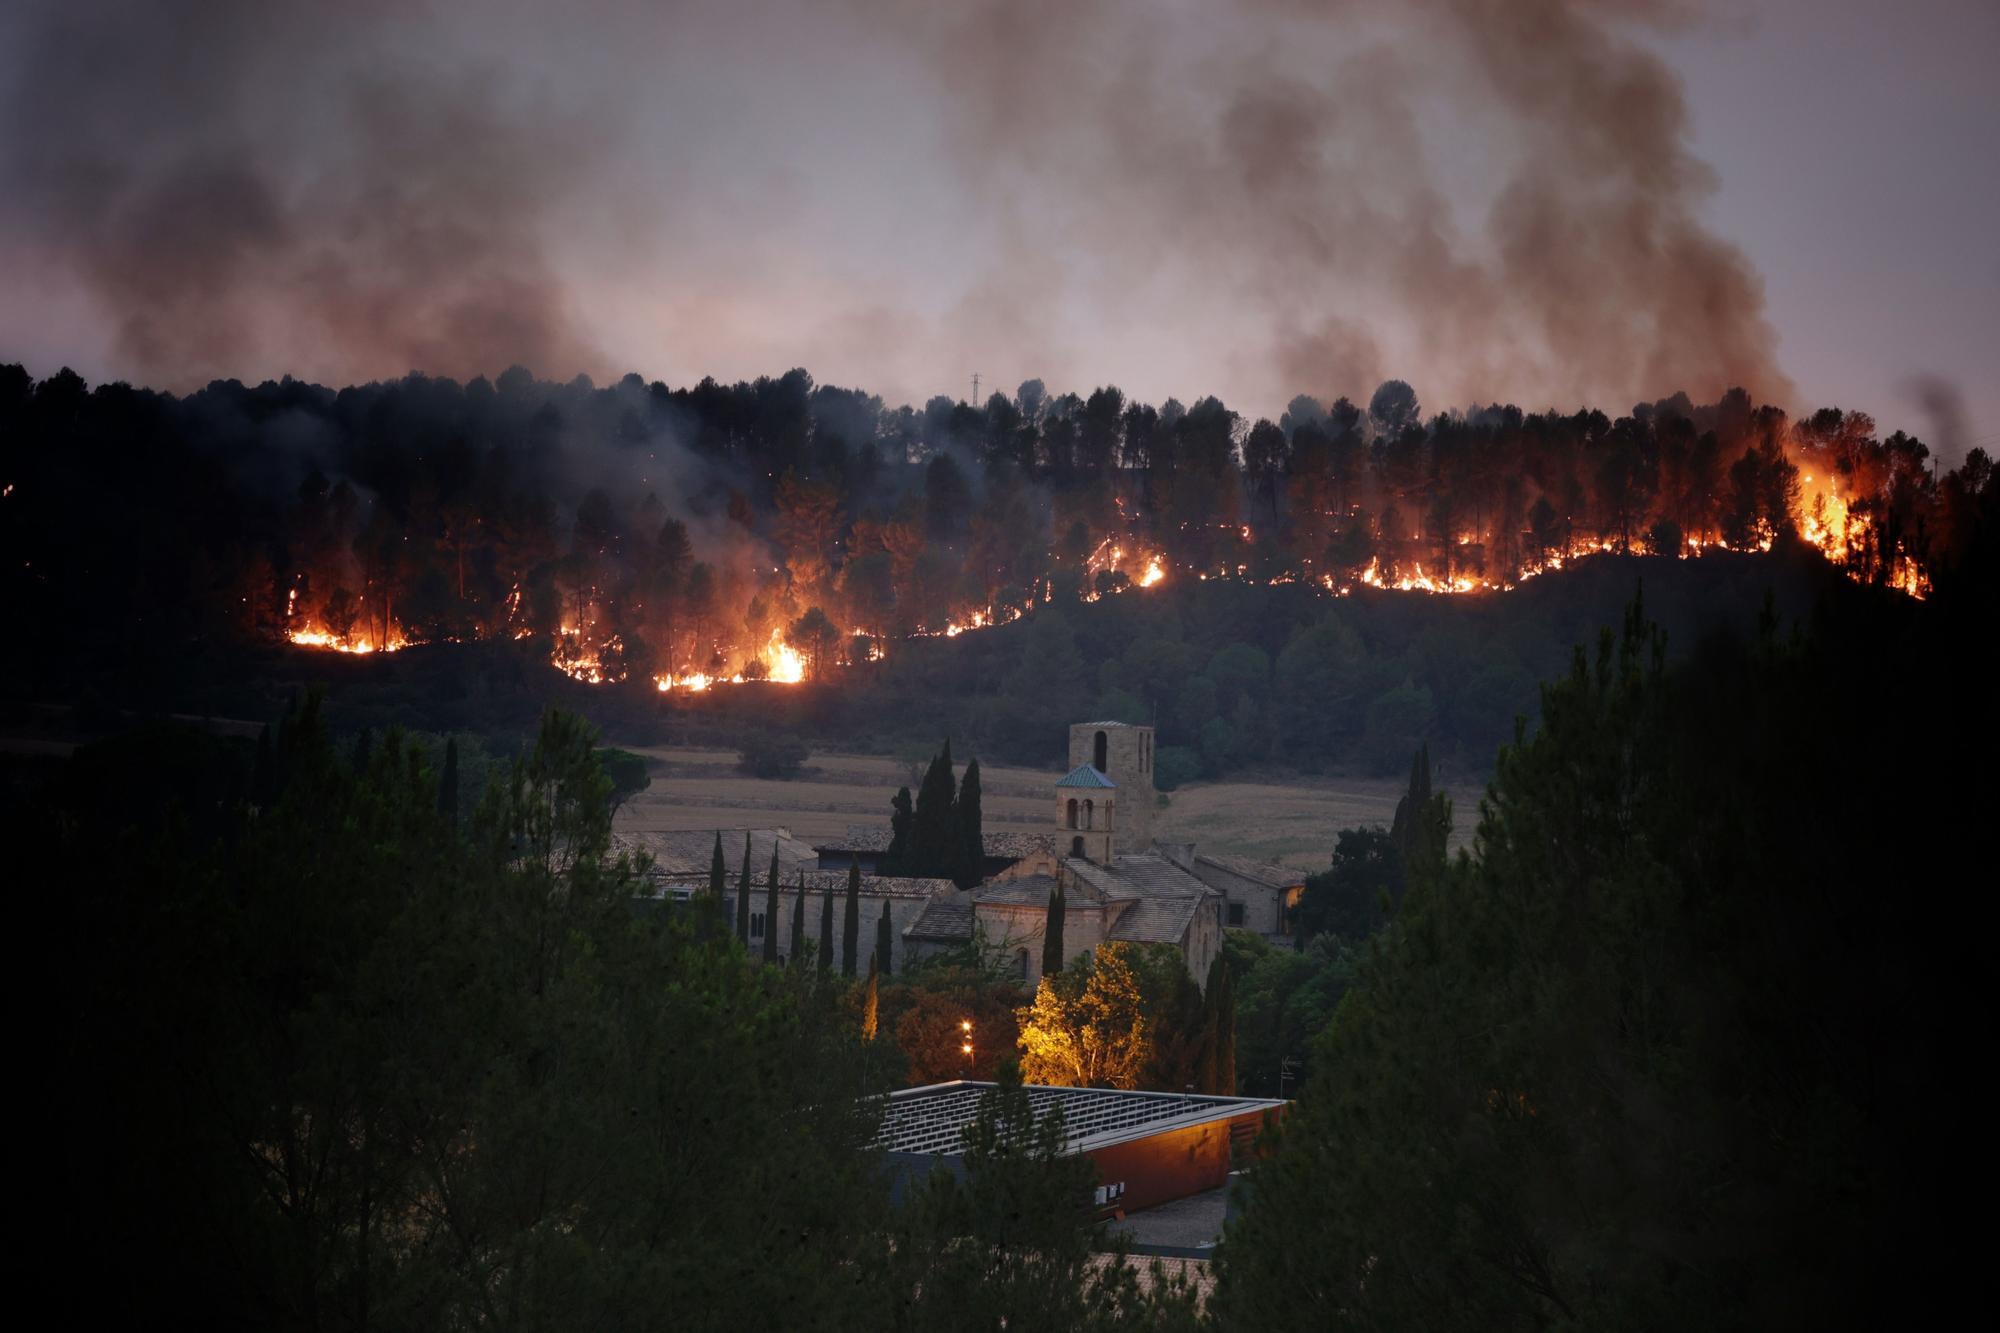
[(826, 932), (743, 895), (799, 924), (871, 1005), (771, 909), (1052, 934), (850, 926), (901, 816), (884, 940), (448, 783), (971, 861)]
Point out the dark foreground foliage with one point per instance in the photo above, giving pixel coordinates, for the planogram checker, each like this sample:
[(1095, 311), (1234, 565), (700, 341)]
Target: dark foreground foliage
[(315, 1055), (1686, 1042)]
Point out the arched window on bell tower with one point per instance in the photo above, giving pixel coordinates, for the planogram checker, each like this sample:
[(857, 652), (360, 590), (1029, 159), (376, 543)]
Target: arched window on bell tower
[(1089, 814), (1072, 812), (1101, 753)]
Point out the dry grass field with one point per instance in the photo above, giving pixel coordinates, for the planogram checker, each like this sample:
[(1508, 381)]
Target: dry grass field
[(1293, 823)]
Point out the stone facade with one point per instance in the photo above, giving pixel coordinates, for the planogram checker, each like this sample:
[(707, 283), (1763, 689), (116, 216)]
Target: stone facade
[(1123, 753)]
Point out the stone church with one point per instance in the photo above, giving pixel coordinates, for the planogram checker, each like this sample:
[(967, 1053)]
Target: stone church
[(1118, 883)]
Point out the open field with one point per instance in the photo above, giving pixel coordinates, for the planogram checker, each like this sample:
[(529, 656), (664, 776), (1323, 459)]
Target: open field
[(1290, 822)]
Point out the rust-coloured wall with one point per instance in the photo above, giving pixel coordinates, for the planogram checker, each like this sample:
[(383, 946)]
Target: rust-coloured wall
[(1164, 1167)]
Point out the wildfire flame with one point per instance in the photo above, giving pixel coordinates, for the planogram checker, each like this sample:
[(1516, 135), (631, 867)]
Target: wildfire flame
[(1826, 518)]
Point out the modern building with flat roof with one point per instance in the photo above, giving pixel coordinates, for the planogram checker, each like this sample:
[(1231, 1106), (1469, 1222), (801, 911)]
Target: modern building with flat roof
[(1150, 1147)]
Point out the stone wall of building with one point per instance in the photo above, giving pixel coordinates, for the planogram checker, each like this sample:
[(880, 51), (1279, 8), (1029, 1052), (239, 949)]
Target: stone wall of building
[(1128, 761), (903, 910), (1263, 906)]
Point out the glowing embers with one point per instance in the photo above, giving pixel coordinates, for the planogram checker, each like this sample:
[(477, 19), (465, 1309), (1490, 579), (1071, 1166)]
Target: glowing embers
[(593, 663), (1140, 569), (778, 664), (364, 633), (1415, 579)]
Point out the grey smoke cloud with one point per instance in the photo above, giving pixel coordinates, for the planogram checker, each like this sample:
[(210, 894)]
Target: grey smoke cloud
[(1492, 200)]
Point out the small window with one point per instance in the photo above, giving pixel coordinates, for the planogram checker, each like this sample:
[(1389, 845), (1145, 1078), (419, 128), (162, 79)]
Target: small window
[(1236, 914), (1021, 963), (1101, 752), (1072, 812), (1090, 814), (1076, 846), (756, 925)]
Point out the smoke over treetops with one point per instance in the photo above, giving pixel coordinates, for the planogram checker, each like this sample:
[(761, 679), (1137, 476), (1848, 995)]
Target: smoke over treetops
[(1263, 198)]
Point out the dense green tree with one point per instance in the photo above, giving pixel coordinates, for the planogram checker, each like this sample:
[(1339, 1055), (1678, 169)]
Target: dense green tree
[(718, 871), (902, 815), (826, 954), (850, 927), (354, 998), (884, 942), (743, 895), (771, 910), (1052, 932), (1359, 893), (1422, 824), (935, 846), (1616, 1072), (798, 940), (970, 861)]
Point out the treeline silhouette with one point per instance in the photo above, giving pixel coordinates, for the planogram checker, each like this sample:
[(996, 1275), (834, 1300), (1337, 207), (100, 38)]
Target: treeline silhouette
[(647, 530)]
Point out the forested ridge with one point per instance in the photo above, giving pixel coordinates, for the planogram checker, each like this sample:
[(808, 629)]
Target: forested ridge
[(656, 536)]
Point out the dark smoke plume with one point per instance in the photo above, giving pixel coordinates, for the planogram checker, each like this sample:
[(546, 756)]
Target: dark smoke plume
[(231, 179), (1491, 198), (1309, 162)]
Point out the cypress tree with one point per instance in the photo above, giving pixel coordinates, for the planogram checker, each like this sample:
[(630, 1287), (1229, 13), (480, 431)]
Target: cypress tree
[(771, 909), (932, 850), (971, 860), (798, 956), (743, 895), (1052, 934), (884, 939), (1403, 830), (1215, 1071), (850, 926), (901, 816), (871, 1005), (1225, 1031), (826, 931), (448, 783), (718, 872)]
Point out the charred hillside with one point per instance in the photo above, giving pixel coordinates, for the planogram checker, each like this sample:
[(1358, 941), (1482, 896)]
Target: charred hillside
[(1320, 591)]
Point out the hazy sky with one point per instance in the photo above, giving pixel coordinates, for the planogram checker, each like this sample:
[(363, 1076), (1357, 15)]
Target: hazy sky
[(1542, 201)]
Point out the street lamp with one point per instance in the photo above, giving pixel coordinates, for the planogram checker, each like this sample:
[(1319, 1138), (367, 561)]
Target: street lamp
[(965, 1046)]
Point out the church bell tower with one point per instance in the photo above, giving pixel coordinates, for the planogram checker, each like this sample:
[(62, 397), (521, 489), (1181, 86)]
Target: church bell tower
[(1104, 804)]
